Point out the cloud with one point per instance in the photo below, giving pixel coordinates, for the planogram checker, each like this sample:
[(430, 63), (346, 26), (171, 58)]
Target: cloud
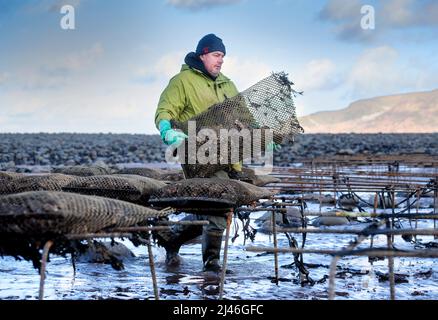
[(346, 17), (340, 10), (56, 5), (389, 15), (410, 13), (82, 107), (245, 72), (16, 102), (163, 69), (109, 105), (79, 60), (378, 71), (398, 14), (60, 70), (37, 6), (4, 77), (200, 4), (319, 74)]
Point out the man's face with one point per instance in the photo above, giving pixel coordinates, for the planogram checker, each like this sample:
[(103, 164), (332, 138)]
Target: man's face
[(213, 62)]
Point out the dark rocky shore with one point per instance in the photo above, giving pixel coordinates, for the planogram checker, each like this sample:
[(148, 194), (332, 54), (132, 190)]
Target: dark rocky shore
[(74, 149)]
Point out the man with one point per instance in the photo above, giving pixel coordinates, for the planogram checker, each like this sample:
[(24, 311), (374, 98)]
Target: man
[(199, 85)]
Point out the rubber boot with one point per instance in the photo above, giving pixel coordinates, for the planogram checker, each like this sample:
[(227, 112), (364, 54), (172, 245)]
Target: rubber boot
[(173, 239), (211, 248)]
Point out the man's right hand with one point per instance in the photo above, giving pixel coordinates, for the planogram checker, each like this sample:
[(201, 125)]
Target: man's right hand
[(169, 135)]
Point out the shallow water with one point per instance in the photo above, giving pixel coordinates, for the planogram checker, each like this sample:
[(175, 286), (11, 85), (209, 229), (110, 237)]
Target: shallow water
[(251, 278), (252, 275)]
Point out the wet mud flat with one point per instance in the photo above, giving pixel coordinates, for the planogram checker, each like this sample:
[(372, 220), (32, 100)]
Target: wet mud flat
[(252, 274), (252, 277)]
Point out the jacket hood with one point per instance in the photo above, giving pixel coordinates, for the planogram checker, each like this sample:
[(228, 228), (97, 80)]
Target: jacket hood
[(192, 61)]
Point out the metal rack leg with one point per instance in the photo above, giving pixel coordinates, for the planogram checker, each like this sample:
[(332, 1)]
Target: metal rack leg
[(274, 235), (43, 268), (224, 264), (152, 266)]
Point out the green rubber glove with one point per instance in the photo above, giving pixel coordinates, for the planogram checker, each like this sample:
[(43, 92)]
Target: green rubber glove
[(169, 135), (272, 146)]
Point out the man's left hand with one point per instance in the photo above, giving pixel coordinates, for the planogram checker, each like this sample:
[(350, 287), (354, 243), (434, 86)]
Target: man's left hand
[(272, 146), (174, 137)]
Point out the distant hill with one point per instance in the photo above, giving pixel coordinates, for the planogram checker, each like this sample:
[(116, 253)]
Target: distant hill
[(404, 113)]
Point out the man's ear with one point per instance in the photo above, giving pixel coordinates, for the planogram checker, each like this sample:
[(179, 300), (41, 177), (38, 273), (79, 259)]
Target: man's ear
[(202, 57)]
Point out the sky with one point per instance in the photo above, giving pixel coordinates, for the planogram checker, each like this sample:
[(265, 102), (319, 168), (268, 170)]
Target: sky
[(107, 74)]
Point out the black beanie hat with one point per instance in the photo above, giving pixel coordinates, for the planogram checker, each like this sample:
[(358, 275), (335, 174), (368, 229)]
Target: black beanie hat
[(210, 43)]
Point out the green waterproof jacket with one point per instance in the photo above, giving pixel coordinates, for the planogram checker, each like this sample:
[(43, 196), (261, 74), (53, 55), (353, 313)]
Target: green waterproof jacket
[(191, 92)]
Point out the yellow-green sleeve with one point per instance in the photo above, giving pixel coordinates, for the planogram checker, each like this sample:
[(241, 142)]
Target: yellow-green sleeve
[(233, 89), (172, 101)]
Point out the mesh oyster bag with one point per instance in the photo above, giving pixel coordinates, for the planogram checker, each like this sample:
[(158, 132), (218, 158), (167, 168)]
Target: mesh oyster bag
[(8, 176), (28, 220), (82, 170), (51, 212), (208, 195), (132, 189), (248, 175), (240, 127), (172, 175), (46, 182), (141, 171), (159, 174), (151, 182)]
